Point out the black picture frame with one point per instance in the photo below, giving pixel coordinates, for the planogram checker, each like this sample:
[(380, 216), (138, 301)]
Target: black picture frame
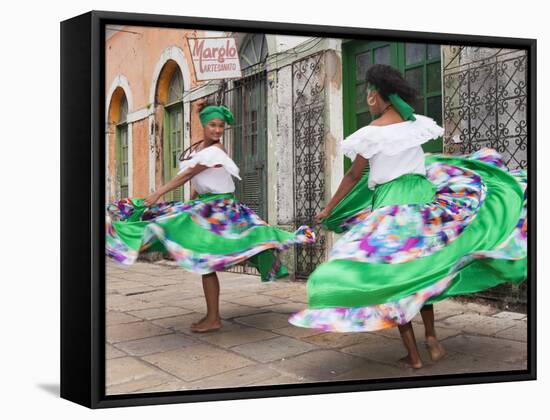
[(82, 154)]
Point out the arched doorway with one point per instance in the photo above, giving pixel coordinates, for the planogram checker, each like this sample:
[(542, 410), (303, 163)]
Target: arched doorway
[(120, 164)]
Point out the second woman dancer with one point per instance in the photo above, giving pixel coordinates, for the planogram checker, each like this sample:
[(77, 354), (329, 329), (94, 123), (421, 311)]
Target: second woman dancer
[(207, 234)]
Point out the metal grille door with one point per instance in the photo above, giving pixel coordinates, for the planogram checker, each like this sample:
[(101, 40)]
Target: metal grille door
[(485, 105), (309, 156), (485, 102)]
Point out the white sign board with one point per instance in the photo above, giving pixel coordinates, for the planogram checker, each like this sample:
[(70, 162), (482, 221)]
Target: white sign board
[(215, 58)]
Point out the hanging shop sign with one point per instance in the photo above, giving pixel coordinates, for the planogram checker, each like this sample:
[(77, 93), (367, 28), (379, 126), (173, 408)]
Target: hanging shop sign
[(215, 58)]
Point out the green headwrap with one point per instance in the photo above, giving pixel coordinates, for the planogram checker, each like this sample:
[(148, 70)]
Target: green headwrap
[(212, 111), (405, 110)]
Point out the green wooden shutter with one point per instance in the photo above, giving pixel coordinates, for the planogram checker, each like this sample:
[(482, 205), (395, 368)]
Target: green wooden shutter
[(421, 66), (122, 159), (250, 141), (173, 146)]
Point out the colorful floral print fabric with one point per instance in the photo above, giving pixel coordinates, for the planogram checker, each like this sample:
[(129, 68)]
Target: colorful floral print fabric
[(225, 216), (400, 233), (460, 194)]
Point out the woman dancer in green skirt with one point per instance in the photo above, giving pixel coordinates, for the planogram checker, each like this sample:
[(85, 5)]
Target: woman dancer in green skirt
[(210, 233), (416, 228)]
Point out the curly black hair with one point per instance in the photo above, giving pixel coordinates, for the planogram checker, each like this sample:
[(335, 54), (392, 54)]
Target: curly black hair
[(389, 80)]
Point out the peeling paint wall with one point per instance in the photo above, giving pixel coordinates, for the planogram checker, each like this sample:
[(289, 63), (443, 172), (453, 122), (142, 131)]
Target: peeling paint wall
[(286, 42), (140, 158), (334, 125), (281, 170), (281, 122)]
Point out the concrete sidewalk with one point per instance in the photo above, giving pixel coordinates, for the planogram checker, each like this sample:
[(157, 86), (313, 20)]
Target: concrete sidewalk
[(150, 348)]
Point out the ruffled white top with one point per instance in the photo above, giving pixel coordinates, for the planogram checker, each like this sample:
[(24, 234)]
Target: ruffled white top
[(392, 150), (218, 177)]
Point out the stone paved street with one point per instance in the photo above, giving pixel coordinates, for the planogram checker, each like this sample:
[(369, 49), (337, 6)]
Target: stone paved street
[(150, 348)]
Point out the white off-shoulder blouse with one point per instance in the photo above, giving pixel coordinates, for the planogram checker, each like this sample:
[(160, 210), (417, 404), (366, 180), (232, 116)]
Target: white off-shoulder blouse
[(218, 177), (392, 150)]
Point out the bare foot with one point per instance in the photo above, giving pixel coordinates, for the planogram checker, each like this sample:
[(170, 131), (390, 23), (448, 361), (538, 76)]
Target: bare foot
[(436, 350), (207, 325), (194, 324), (406, 362)]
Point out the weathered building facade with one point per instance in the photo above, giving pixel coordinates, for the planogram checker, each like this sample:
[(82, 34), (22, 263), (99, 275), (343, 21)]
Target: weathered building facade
[(288, 112), (297, 96)]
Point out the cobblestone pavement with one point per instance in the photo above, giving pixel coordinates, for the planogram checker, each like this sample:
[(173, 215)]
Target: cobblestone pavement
[(150, 348)]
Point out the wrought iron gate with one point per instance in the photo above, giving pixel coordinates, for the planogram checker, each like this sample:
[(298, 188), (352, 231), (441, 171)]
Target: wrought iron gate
[(309, 156), (485, 105), (246, 141), (485, 102)]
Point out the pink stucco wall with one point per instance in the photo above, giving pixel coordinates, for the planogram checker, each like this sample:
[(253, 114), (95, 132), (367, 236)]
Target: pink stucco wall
[(134, 53)]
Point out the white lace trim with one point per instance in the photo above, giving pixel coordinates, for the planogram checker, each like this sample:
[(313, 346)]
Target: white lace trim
[(211, 156), (390, 139)]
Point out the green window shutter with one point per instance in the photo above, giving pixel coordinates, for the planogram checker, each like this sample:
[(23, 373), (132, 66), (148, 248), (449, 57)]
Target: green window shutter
[(121, 149), (172, 147), (358, 57), (250, 141), (419, 63), (122, 163), (172, 142), (421, 67)]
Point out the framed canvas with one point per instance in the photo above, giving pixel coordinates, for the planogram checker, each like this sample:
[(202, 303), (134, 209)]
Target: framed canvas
[(330, 213)]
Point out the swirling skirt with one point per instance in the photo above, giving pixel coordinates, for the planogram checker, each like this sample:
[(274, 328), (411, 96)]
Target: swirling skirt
[(208, 234), (417, 240)]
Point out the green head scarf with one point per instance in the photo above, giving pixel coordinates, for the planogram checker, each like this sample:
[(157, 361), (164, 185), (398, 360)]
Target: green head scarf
[(212, 111), (405, 110)]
